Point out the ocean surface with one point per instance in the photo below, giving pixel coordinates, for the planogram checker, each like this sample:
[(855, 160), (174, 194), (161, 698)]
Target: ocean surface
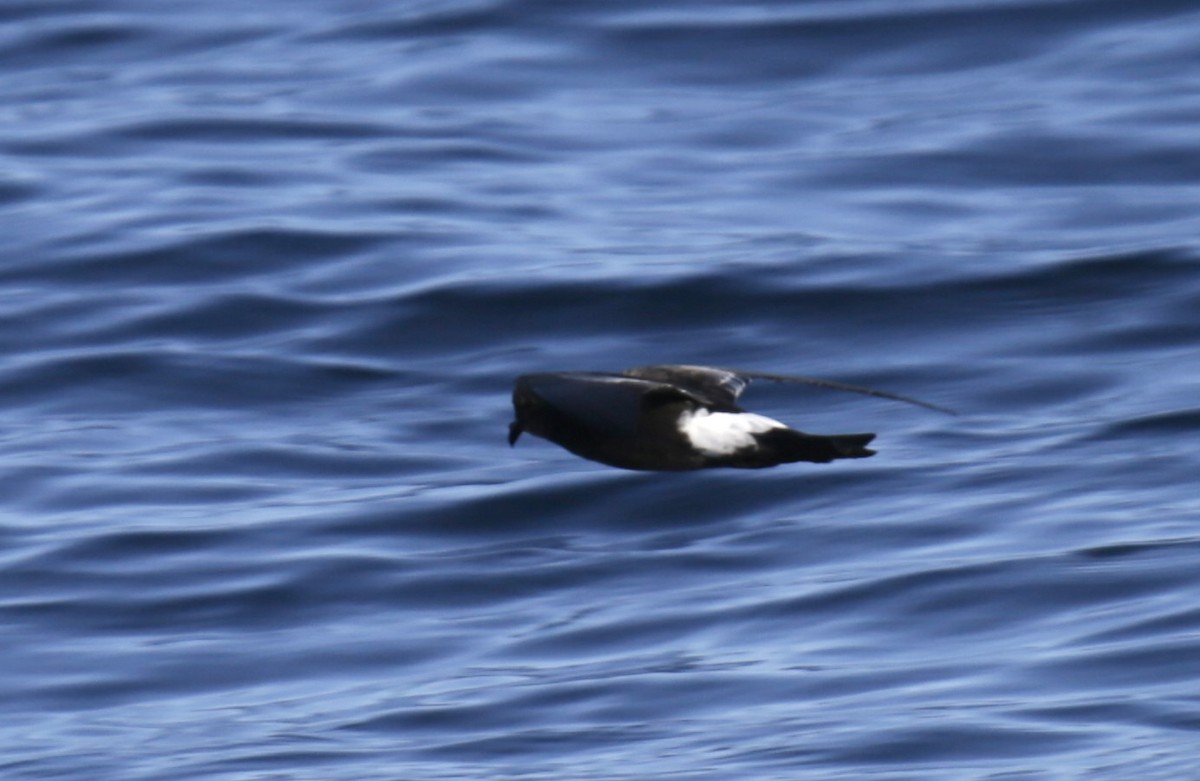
[(268, 270)]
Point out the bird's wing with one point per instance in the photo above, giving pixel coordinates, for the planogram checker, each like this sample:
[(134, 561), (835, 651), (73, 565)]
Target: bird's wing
[(717, 388), (720, 388), (835, 385)]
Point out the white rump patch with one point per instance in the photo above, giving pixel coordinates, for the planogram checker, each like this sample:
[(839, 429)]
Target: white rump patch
[(723, 433)]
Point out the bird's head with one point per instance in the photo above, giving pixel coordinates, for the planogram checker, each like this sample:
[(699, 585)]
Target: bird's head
[(526, 405)]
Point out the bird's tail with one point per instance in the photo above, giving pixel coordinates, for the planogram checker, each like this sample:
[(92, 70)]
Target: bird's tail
[(787, 446), (851, 445)]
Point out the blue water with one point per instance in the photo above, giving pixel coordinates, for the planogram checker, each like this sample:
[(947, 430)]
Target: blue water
[(267, 271)]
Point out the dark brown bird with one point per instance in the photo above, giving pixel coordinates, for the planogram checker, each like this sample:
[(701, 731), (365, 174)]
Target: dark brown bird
[(674, 418)]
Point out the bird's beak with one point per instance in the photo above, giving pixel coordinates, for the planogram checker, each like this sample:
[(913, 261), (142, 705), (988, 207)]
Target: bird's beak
[(514, 431)]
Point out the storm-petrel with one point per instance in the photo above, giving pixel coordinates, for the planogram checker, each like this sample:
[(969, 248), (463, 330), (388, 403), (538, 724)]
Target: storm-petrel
[(674, 418)]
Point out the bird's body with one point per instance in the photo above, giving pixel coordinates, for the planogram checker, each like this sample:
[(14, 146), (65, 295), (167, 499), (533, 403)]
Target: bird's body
[(671, 418)]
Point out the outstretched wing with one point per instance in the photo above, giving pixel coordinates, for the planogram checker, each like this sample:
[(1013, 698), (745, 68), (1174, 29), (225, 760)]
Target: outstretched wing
[(839, 386), (720, 388), (716, 388)]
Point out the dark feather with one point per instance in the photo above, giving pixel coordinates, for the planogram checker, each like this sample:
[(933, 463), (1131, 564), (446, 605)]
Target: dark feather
[(724, 386)]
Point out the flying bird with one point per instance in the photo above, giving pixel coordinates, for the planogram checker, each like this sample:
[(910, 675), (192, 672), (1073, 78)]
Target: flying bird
[(675, 418)]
